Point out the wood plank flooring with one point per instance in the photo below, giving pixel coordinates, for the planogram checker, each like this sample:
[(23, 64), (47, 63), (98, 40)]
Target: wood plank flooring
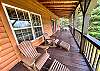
[(72, 59)]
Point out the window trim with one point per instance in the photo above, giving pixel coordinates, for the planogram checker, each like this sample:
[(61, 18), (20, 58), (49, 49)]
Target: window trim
[(33, 31)]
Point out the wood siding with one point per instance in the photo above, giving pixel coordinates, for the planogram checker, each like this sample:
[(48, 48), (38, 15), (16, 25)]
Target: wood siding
[(8, 57)]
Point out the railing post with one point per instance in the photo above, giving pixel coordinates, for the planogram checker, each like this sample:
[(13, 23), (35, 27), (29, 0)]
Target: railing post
[(82, 44)]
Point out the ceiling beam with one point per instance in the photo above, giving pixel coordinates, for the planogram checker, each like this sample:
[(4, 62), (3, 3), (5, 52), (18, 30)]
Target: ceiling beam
[(60, 5), (62, 8), (62, 15), (57, 2), (61, 12)]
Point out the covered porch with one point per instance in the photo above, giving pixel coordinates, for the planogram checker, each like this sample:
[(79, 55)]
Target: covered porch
[(29, 20)]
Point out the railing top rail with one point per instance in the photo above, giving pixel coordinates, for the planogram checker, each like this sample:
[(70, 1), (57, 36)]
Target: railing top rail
[(94, 41), (78, 31)]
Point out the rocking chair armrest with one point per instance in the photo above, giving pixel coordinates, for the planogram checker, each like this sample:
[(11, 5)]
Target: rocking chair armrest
[(42, 49)]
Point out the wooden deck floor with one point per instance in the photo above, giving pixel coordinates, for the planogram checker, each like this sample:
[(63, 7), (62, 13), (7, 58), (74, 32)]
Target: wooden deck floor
[(72, 59)]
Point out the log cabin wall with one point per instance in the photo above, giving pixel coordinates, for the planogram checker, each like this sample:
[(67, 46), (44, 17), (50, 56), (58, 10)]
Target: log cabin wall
[(8, 56), (9, 53)]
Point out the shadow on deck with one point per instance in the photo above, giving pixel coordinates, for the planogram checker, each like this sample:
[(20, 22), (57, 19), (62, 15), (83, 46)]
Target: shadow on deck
[(72, 59)]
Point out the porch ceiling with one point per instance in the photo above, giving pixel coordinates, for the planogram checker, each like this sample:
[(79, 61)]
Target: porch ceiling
[(62, 8)]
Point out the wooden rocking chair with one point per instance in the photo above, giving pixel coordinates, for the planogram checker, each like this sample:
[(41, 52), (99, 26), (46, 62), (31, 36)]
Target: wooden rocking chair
[(31, 57), (49, 41)]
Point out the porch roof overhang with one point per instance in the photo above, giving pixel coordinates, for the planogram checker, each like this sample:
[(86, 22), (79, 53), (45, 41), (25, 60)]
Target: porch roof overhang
[(61, 8)]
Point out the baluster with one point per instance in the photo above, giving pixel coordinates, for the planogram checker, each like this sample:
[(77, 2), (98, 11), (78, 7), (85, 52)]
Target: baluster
[(91, 54), (90, 51), (86, 48), (95, 59), (98, 64)]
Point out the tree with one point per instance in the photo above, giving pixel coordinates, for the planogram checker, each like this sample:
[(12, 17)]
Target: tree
[(94, 23)]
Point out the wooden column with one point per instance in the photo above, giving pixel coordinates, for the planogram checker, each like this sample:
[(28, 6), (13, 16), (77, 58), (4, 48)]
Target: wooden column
[(86, 7)]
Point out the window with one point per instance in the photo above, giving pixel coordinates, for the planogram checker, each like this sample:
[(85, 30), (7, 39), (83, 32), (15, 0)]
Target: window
[(36, 24), (25, 25)]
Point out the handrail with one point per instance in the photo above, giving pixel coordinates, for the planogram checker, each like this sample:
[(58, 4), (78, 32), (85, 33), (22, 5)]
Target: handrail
[(94, 41), (91, 39), (78, 31)]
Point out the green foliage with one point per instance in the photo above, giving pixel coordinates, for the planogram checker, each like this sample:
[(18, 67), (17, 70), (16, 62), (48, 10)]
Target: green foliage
[(79, 21), (64, 22), (94, 23)]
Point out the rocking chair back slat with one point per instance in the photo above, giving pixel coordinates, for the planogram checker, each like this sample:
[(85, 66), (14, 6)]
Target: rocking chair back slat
[(27, 49)]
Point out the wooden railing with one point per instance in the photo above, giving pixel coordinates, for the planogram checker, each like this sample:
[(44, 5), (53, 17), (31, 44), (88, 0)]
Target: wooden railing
[(90, 48)]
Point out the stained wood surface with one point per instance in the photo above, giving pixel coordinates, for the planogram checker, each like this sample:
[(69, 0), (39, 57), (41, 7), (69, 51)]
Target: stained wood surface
[(8, 57), (54, 5), (72, 59)]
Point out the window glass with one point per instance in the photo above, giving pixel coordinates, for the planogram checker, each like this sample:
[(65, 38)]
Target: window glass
[(20, 14), (12, 13), (21, 24)]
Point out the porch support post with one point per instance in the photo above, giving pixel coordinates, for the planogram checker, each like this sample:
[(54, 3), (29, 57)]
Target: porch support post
[(85, 22), (85, 30)]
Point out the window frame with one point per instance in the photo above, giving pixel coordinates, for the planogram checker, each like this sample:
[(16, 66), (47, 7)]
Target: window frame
[(8, 18)]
